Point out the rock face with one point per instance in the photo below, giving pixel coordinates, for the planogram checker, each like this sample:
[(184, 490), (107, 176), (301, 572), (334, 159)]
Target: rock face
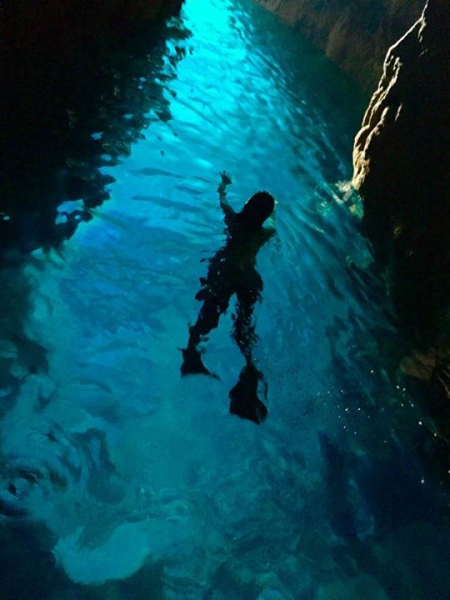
[(356, 34), (64, 23), (401, 158), (402, 172)]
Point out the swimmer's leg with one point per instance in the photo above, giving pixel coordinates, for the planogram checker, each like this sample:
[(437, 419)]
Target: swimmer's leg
[(244, 327), (208, 319), (244, 396)]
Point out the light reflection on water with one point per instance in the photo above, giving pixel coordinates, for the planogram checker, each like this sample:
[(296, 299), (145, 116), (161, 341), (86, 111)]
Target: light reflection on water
[(139, 465)]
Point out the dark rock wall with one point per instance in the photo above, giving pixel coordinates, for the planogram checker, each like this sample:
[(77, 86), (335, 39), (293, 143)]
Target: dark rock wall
[(402, 172), (355, 34), (28, 24), (76, 81)]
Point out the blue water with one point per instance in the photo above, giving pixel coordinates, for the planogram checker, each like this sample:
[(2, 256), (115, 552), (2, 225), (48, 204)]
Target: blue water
[(121, 479)]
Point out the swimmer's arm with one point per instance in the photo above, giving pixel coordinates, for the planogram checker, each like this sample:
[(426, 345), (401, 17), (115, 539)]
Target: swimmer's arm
[(222, 189)]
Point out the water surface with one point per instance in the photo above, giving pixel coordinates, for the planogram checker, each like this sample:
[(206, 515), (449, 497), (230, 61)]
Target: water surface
[(121, 479)]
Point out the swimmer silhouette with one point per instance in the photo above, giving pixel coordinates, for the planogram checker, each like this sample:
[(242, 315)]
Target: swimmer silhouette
[(232, 271)]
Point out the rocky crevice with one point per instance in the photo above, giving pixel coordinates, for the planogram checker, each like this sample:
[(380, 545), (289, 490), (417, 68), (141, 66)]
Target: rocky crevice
[(401, 160), (402, 172)]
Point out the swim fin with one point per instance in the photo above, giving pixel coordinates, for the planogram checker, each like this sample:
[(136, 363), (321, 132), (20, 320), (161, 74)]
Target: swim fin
[(192, 363), (244, 398)]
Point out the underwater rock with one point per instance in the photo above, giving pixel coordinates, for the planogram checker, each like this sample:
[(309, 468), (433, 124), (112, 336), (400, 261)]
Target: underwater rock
[(355, 35), (270, 594), (402, 172), (106, 561), (45, 469), (363, 586), (9, 504)]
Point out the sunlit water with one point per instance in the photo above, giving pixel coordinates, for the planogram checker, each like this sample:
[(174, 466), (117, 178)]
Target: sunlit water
[(138, 472)]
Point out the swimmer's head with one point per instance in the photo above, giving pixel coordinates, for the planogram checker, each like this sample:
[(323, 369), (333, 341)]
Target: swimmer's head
[(258, 209)]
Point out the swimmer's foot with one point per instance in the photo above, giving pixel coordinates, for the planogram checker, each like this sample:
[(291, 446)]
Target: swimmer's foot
[(192, 363), (244, 399)]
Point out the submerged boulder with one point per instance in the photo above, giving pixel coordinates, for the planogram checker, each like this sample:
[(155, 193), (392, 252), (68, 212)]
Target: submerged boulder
[(402, 172)]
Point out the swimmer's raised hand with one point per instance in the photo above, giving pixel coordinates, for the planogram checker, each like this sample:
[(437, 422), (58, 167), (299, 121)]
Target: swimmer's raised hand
[(226, 179)]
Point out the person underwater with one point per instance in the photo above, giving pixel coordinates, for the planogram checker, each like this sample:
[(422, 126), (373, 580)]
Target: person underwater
[(232, 270)]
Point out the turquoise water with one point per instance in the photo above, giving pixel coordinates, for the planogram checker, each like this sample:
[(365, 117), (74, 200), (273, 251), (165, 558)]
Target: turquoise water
[(121, 479)]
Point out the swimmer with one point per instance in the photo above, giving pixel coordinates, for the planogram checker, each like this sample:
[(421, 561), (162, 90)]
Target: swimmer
[(232, 270)]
